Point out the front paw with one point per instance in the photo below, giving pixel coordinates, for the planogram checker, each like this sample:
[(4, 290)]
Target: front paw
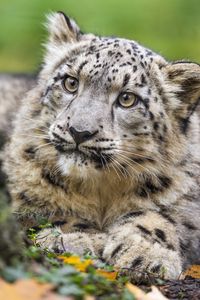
[(79, 243), (143, 260), (49, 239)]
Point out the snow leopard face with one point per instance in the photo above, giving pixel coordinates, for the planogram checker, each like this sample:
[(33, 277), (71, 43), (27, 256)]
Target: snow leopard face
[(109, 107)]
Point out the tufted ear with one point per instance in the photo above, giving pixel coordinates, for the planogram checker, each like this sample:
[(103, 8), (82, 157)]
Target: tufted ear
[(184, 82), (62, 29)]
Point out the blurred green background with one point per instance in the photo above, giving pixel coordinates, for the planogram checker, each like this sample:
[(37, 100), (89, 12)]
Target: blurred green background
[(170, 27)]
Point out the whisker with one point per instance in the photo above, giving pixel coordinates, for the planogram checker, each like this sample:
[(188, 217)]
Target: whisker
[(117, 166), (34, 120), (131, 152), (41, 146), (143, 156), (133, 162), (121, 168), (114, 167), (130, 165), (103, 160), (34, 136)]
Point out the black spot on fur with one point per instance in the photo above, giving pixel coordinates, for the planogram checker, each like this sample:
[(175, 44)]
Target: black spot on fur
[(170, 247), (134, 68), (151, 115), (166, 216), (82, 226), (81, 66), (3, 139), (132, 214), (29, 153), (59, 223), (160, 234), (24, 197), (35, 113), (51, 179), (156, 269), (184, 247), (165, 181), (143, 79), (151, 187), (183, 124), (142, 64), (139, 160), (116, 250), (141, 192), (136, 262), (144, 230), (155, 126), (190, 226)]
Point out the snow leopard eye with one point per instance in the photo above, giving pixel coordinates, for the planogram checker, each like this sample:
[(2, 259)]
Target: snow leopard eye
[(127, 100), (70, 84)]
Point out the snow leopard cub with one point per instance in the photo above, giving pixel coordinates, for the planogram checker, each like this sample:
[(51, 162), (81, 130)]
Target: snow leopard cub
[(106, 148)]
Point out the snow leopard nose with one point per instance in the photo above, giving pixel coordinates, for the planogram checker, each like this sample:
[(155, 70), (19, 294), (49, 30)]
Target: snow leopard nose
[(81, 136)]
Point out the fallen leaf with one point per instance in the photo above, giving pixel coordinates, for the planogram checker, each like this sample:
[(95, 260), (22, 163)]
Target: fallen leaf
[(109, 275), (137, 292), (6, 291), (53, 296), (88, 297), (24, 289), (155, 294), (193, 271), (80, 265)]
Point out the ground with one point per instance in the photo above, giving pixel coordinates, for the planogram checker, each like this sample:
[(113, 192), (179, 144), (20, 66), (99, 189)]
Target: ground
[(27, 271)]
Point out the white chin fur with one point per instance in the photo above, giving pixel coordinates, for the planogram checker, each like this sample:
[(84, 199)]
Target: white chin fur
[(72, 166)]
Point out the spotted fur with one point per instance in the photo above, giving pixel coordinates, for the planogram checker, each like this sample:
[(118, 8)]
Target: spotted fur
[(120, 182)]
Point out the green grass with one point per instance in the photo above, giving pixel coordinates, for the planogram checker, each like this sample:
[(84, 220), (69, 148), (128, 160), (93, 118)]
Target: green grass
[(170, 27)]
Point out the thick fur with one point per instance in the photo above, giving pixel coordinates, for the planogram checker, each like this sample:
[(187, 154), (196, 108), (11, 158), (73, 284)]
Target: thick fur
[(130, 192)]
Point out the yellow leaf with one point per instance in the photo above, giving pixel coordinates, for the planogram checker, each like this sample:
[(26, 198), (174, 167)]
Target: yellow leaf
[(77, 262), (72, 260), (193, 271), (107, 274)]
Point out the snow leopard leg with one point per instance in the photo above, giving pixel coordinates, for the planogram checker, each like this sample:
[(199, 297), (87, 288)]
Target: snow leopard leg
[(144, 243)]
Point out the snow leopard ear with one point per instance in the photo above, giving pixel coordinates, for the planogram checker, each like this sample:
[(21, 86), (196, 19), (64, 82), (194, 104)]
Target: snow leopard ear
[(183, 83), (62, 29)]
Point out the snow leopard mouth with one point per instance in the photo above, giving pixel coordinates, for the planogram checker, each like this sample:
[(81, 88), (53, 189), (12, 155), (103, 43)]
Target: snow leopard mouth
[(86, 154)]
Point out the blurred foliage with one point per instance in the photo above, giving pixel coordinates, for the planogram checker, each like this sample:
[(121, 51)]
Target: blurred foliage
[(170, 27)]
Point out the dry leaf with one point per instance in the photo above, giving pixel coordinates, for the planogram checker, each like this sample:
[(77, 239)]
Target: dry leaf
[(28, 289), (137, 292), (53, 296), (6, 292), (155, 294), (80, 265), (107, 274), (23, 290), (88, 297), (193, 271)]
